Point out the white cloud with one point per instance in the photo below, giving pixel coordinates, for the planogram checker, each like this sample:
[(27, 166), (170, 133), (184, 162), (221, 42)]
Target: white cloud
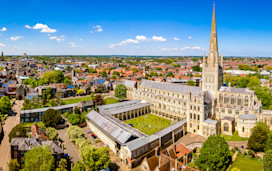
[(168, 49), (112, 46), (3, 29), (141, 38), (97, 28), (158, 39), (175, 38), (189, 37), (43, 27), (60, 38), (197, 47), (2, 45), (14, 38), (164, 49), (73, 44)]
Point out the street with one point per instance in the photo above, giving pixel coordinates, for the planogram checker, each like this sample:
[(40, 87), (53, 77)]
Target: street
[(10, 122)]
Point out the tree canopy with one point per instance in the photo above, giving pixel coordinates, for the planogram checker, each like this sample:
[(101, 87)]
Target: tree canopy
[(79, 166), (52, 133), (258, 138), (214, 154), (96, 158), (267, 162), (191, 83), (52, 77), (39, 158), (5, 105), (51, 118), (121, 91), (18, 129)]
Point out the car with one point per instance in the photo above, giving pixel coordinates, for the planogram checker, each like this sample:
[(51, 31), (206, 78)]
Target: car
[(89, 132)]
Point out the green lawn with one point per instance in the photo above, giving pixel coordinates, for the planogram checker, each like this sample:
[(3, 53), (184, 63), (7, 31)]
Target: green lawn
[(76, 100), (149, 124), (234, 137), (28, 124), (247, 164), (110, 100)]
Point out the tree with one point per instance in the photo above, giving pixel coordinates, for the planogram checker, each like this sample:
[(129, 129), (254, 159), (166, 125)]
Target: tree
[(62, 165), (121, 91), (53, 77), (74, 119), (191, 83), (17, 131), (214, 154), (258, 138), (51, 118), (268, 142), (52, 133), (267, 162), (13, 165), (5, 105), (98, 100), (196, 68), (80, 91), (39, 158), (170, 74), (79, 166), (92, 96), (135, 70), (96, 158), (104, 73), (74, 133)]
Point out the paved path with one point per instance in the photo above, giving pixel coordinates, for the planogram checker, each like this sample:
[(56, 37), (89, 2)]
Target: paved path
[(69, 147), (5, 145)]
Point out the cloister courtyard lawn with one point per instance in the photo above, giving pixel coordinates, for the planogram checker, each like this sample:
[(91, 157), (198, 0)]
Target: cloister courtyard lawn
[(149, 124), (110, 100)]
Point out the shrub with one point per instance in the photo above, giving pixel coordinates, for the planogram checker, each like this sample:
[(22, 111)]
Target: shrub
[(20, 129), (74, 133)]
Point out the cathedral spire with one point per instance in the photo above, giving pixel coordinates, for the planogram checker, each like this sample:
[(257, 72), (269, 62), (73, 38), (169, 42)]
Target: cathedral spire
[(204, 60), (222, 60), (213, 51), (2, 56)]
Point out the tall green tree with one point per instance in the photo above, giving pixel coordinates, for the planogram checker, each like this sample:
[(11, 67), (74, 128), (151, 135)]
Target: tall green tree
[(52, 133), (191, 83), (267, 162), (96, 158), (62, 165), (259, 136), (39, 158), (79, 166), (13, 165), (214, 154), (268, 142), (51, 118), (121, 92), (19, 130), (5, 105)]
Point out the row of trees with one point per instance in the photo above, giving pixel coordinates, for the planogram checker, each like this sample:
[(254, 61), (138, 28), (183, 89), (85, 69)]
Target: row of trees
[(93, 158)]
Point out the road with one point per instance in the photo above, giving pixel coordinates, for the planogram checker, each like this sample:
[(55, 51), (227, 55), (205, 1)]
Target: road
[(69, 147), (9, 124)]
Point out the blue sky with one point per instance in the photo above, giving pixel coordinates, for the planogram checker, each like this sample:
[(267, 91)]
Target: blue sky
[(130, 27)]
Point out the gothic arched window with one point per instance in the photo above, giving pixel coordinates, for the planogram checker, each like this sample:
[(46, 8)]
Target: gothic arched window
[(226, 99), (226, 127), (246, 101), (232, 99), (220, 98), (239, 101)]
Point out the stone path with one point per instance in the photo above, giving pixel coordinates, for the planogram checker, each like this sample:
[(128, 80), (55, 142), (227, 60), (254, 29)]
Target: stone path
[(5, 145)]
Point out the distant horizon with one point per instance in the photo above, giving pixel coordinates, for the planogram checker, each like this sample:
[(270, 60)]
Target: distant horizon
[(153, 28)]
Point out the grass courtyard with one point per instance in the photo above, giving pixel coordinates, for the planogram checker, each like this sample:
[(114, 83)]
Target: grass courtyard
[(149, 124), (110, 100), (234, 137), (76, 100), (247, 164)]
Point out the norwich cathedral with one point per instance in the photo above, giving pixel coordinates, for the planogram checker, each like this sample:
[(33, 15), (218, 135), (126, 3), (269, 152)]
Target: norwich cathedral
[(211, 108)]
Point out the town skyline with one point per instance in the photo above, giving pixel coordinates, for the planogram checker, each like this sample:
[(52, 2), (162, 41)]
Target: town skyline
[(153, 29)]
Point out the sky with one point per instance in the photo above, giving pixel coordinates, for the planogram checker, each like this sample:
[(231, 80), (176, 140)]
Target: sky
[(134, 27)]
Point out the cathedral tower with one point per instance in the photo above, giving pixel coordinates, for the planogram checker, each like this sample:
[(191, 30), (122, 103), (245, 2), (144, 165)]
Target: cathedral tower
[(2, 56), (212, 77)]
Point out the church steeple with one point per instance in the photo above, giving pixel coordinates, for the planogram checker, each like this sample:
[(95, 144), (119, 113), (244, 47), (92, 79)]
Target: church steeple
[(213, 51), (2, 56)]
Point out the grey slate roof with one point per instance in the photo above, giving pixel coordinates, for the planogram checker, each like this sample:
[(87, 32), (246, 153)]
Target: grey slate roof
[(247, 116), (235, 89), (121, 107), (111, 129), (130, 83), (25, 144), (171, 87)]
